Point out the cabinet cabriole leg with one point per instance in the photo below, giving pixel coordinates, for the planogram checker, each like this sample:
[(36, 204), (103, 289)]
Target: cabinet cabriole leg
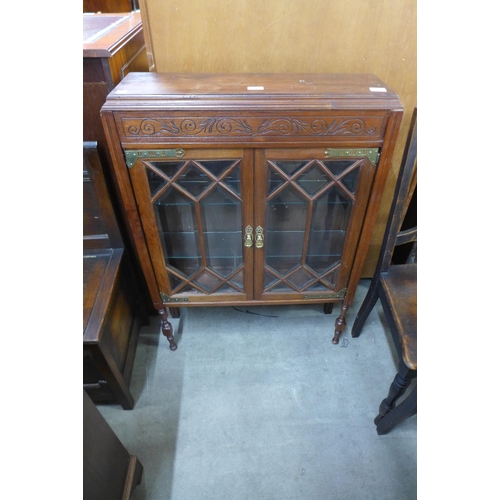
[(340, 324), (166, 328)]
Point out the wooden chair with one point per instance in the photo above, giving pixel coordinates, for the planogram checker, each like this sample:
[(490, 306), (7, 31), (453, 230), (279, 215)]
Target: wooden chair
[(396, 287)]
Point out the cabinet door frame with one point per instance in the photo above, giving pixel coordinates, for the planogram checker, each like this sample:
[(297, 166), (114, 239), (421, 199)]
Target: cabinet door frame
[(353, 232), (143, 197)]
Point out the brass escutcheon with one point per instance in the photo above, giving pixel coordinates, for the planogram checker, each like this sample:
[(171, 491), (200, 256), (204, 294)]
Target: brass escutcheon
[(259, 237), (248, 237)]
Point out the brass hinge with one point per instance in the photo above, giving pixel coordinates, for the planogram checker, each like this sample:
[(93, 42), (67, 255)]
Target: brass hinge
[(371, 153), (166, 298), (131, 156), (337, 295)]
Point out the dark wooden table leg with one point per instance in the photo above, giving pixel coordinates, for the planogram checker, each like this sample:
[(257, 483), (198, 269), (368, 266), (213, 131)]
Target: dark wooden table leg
[(399, 413), (166, 328)]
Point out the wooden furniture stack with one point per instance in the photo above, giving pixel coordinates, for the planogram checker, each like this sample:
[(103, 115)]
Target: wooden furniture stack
[(251, 189), (111, 321), (115, 305)]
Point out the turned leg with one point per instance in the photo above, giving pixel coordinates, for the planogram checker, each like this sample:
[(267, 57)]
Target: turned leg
[(166, 328), (340, 324), (398, 387), (365, 309)]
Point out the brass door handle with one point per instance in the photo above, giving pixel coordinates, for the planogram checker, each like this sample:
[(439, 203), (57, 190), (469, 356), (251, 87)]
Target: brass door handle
[(248, 237), (259, 237)]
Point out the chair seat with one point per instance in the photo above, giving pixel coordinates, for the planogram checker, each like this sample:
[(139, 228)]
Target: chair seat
[(400, 288)]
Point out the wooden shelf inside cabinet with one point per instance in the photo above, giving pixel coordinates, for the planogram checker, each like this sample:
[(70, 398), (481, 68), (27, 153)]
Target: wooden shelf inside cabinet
[(251, 188)]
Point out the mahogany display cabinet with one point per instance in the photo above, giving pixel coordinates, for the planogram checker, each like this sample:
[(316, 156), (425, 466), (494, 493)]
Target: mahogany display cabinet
[(251, 189)]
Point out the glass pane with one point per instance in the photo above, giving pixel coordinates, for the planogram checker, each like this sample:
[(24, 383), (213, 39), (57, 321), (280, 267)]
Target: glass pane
[(331, 277), (329, 224), (290, 166), (233, 180), (216, 167), (225, 289), (301, 278), (176, 219), (336, 167), (287, 211), (237, 279), (155, 181), (175, 282), (169, 168), (222, 234), (285, 229), (269, 279), (191, 289), (194, 180), (317, 287), (349, 181), (313, 179), (207, 281), (274, 181)]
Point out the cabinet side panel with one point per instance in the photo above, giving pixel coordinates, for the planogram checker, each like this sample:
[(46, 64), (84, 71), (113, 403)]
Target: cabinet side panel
[(128, 206), (374, 203)]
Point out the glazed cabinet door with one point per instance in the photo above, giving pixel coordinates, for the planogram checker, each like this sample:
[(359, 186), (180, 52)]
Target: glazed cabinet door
[(195, 205), (309, 210)]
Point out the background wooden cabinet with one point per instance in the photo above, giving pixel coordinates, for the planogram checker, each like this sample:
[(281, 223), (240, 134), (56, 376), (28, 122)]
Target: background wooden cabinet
[(115, 296), (111, 306), (113, 46), (110, 472), (110, 5), (251, 188)]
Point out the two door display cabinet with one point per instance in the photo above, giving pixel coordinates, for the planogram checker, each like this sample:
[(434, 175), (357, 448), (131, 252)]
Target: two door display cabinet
[(251, 189)]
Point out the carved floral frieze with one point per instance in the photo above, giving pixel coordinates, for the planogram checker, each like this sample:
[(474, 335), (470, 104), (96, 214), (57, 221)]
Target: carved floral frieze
[(252, 126)]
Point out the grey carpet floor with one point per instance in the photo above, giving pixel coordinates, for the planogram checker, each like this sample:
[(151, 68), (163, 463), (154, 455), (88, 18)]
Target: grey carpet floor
[(258, 404)]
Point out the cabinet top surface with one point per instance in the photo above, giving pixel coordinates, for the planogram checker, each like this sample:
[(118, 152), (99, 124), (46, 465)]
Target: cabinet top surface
[(104, 33), (187, 90)]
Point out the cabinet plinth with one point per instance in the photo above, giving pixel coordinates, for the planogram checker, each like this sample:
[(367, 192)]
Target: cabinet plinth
[(251, 188)]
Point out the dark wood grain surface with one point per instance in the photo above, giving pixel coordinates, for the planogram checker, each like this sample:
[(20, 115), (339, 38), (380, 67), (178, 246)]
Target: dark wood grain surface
[(400, 287)]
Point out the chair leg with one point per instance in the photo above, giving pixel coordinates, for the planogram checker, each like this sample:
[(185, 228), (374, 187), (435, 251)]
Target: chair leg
[(365, 309), (398, 414), (398, 387)]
